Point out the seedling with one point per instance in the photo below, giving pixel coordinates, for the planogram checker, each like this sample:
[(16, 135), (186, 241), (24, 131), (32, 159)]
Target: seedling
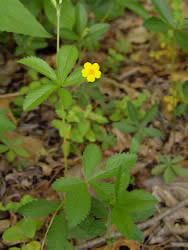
[(169, 167), (138, 126)]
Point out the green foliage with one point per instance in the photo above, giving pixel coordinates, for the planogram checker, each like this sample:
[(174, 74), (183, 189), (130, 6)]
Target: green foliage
[(14, 17), (113, 61), (138, 126), (169, 167), (5, 124)]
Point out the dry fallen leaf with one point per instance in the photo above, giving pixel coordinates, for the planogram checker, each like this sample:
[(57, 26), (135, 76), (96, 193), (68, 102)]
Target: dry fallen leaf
[(133, 245)]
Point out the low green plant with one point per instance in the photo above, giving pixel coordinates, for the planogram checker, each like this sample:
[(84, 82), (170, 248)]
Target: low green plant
[(113, 61), (10, 147), (169, 167), (138, 126), (80, 215)]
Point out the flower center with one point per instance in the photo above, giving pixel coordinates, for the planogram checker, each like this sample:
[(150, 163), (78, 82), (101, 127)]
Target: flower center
[(92, 72)]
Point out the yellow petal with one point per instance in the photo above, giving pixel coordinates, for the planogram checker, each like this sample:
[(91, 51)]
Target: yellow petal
[(98, 74), (84, 73), (95, 66), (167, 98), (169, 107), (87, 65), (91, 78)]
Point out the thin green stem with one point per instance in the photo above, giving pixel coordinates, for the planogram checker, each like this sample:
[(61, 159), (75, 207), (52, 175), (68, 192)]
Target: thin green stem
[(109, 223), (58, 13)]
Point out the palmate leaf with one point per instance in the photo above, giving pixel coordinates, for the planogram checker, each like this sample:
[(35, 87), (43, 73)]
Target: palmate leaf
[(122, 182), (38, 208), (5, 124), (78, 204), (138, 204), (81, 17), (159, 169), (96, 31), (38, 95), (65, 97), (123, 221), (75, 78), (135, 143), (91, 159), (164, 10), (58, 233), (40, 66), (152, 132), (132, 113), (124, 127), (150, 115), (16, 18), (156, 25), (105, 191), (169, 175), (66, 58), (181, 37), (180, 171)]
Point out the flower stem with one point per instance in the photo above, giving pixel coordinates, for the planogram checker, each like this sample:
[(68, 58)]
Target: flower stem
[(58, 13)]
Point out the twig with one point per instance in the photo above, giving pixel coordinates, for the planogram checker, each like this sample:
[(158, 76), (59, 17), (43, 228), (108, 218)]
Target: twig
[(10, 95), (102, 240), (128, 73)]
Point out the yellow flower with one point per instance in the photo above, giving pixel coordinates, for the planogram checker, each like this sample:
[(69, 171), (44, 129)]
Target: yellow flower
[(171, 102), (91, 71)]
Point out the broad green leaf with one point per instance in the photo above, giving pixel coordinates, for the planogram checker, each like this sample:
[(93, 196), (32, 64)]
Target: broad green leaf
[(66, 59), (163, 10), (138, 204), (132, 113), (105, 191), (58, 233), (123, 222), (122, 182), (24, 229), (3, 148), (138, 234), (150, 115), (169, 175), (40, 66), (156, 25), (5, 124), (124, 127), (65, 97), (88, 229), (38, 208), (135, 143), (98, 210), (96, 31), (37, 96), (20, 151), (74, 78), (91, 159), (180, 171), (125, 160), (67, 185), (158, 169), (16, 18), (181, 37), (69, 35), (33, 6), (152, 132), (78, 204), (81, 17), (34, 245), (135, 7), (67, 17)]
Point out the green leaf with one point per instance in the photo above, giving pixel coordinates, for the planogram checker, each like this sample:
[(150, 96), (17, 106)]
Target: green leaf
[(24, 229), (65, 97), (152, 132), (66, 59), (124, 127), (169, 175), (40, 66), (150, 115), (67, 17), (78, 204), (163, 10), (69, 35), (123, 222), (75, 78), (16, 18), (122, 182), (37, 96), (158, 169), (67, 185), (135, 143), (138, 234), (135, 7), (3, 148), (10, 155), (21, 152), (180, 171), (98, 210), (34, 245), (139, 204), (156, 25), (58, 233), (91, 159), (181, 37), (104, 191), (96, 31), (81, 17), (132, 113), (38, 208), (5, 124), (88, 229)]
